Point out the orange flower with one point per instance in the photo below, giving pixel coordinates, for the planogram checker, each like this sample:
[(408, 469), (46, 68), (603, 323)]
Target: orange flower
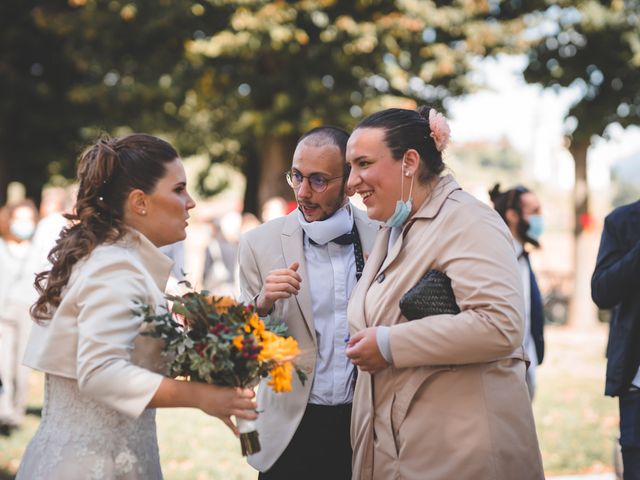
[(237, 342), (223, 304), (257, 325), (281, 377), (277, 348)]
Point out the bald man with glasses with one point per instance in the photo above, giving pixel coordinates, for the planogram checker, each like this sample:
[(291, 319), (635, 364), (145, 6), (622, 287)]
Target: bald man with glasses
[(301, 268)]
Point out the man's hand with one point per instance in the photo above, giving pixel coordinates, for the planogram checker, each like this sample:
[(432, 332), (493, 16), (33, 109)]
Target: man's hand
[(280, 283), (363, 351)]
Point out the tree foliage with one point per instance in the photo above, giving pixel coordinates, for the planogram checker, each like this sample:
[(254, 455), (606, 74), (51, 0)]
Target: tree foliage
[(36, 121), (280, 68), (77, 70), (238, 80), (595, 47)]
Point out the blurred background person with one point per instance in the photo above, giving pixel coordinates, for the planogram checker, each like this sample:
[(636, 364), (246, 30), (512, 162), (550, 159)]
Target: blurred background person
[(20, 258), (249, 222), (520, 208), (175, 252), (220, 269), (56, 201), (217, 278), (274, 207), (615, 284)]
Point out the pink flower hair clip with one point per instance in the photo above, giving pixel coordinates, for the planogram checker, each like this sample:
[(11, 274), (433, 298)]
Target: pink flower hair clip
[(440, 130)]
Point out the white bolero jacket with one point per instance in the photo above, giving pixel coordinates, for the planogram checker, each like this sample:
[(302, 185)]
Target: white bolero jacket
[(93, 336)]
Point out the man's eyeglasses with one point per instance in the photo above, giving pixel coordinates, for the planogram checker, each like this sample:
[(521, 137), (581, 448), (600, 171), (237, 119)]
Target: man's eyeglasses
[(317, 182)]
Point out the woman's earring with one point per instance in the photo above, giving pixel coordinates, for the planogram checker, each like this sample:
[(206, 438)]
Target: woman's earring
[(407, 173), (143, 212)]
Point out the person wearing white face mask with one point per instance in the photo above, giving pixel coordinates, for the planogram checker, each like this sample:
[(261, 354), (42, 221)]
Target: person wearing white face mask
[(20, 260), (302, 267), (520, 208)]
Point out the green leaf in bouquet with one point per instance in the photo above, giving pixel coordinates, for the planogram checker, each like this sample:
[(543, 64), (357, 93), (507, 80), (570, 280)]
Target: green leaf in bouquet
[(180, 309), (276, 326)]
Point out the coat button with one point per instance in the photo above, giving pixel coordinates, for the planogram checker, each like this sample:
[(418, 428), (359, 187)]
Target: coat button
[(380, 278)]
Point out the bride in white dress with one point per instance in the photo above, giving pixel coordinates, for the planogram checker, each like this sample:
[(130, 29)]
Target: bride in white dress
[(102, 379)]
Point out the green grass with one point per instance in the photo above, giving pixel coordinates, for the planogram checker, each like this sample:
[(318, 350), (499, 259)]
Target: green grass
[(192, 444), (576, 423), (196, 446)]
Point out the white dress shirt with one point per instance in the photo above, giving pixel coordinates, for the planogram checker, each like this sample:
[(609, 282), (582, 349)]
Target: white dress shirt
[(332, 275)]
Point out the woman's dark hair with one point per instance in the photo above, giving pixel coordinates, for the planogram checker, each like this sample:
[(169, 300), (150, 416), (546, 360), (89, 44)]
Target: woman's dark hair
[(408, 129), (512, 199), (508, 199), (107, 172)]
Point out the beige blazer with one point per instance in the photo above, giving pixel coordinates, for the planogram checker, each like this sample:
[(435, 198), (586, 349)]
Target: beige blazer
[(277, 244), (93, 336), (454, 404)]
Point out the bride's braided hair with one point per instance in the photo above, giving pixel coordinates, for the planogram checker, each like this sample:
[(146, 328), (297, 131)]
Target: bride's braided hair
[(107, 172)]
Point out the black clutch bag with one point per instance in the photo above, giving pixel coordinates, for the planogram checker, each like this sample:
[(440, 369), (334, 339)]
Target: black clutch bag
[(432, 295)]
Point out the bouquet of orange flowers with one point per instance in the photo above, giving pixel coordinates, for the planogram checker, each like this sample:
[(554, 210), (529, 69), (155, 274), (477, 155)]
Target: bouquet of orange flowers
[(220, 341)]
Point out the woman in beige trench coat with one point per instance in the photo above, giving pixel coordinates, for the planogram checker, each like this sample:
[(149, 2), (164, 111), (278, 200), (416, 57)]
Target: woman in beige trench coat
[(441, 397)]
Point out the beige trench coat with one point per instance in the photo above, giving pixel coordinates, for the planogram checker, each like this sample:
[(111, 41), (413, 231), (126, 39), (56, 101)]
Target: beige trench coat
[(454, 404)]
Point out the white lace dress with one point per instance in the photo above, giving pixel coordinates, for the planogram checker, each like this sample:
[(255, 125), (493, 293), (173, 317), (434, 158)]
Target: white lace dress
[(79, 438)]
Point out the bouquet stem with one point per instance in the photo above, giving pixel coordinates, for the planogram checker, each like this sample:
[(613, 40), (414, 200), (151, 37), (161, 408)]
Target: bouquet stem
[(249, 439)]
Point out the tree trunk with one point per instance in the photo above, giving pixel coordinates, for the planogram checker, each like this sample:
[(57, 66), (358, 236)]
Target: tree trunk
[(276, 154), (578, 150), (582, 310), (4, 178), (252, 172)]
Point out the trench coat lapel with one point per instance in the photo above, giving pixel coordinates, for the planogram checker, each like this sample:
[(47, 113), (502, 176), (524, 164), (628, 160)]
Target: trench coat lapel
[(364, 225), (293, 251), (429, 209), (371, 269)]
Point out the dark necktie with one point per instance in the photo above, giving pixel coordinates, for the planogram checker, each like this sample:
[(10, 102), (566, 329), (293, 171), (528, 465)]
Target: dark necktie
[(345, 239), (351, 238)]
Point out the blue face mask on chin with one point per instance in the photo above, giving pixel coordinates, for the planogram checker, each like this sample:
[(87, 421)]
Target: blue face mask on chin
[(403, 209), (536, 227), (400, 215)]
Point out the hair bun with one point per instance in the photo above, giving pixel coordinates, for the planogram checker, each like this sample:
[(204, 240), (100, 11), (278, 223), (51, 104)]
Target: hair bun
[(495, 192)]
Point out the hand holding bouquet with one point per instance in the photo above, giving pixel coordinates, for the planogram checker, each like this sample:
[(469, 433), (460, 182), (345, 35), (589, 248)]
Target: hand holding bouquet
[(219, 341)]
